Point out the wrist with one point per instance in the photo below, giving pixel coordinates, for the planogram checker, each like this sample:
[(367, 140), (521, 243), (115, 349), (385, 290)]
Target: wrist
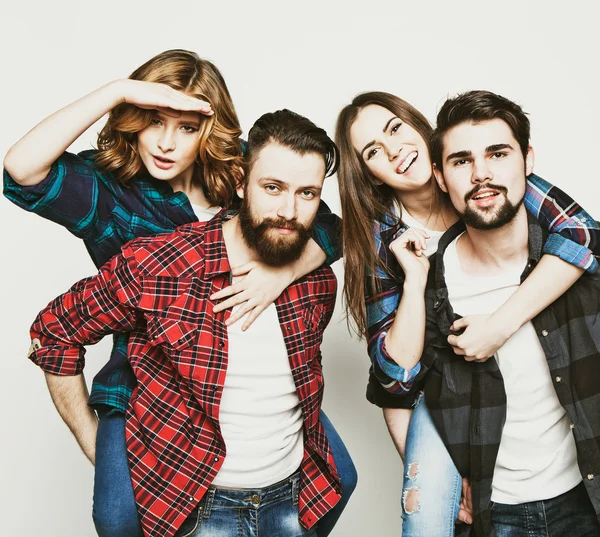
[(507, 324), (415, 283)]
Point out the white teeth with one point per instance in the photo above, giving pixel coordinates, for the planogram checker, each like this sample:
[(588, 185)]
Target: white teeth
[(407, 162), (484, 195)]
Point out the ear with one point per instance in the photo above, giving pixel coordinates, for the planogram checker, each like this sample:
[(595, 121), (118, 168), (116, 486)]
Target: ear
[(439, 177), (240, 185), (529, 160)]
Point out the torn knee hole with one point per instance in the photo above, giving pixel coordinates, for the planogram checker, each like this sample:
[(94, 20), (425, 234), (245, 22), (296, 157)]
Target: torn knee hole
[(412, 500), (413, 470)]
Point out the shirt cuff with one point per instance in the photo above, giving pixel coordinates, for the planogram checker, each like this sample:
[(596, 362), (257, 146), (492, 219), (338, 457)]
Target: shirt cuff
[(59, 361), (398, 378), (571, 252)]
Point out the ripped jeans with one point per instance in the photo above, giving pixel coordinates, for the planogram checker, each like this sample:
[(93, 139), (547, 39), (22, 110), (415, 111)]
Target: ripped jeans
[(432, 485)]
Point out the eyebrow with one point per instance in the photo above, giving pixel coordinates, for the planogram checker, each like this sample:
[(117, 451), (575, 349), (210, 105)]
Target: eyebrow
[(385, 128), (489, 149)]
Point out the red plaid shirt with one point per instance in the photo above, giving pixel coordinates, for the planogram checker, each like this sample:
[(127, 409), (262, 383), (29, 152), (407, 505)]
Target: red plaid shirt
[(159, 289)]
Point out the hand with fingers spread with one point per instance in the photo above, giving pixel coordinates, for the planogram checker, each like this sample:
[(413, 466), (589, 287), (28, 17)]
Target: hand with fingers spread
[(258, 289), (408, 249), (154, 96), (481, 338), (465, 511)]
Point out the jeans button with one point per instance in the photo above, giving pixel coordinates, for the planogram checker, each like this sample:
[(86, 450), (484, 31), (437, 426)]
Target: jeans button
[(255, 499)]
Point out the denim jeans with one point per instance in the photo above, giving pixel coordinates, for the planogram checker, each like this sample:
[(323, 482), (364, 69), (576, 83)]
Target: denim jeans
[(114, 511), (431, 482), (271, 511), (569, 515)]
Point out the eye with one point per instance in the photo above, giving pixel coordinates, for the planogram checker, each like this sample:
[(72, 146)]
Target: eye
[(499, 154), (372, 152), (272, 189), (395, 127), (460, 162), (308, 194), (155, 121), (189, 129)]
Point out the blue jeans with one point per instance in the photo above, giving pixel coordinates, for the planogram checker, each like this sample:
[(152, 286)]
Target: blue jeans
[(569, 515), (114, 511), (271, 511), (432, 485)]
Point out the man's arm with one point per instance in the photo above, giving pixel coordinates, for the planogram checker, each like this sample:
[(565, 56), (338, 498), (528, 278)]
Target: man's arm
[(70, 395)]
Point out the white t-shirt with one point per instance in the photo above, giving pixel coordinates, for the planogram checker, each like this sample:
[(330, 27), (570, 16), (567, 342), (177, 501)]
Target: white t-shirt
[(434, 236), (537, 458), (260, 414), (205, 214)]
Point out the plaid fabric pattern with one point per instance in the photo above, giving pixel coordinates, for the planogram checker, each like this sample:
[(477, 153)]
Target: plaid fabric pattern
[(467, 400), (158, 290), (97, 208), (575, 236)]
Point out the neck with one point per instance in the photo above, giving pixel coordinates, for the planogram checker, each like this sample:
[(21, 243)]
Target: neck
[(435, 214), (185, 183), (238, 251), (489, 252)]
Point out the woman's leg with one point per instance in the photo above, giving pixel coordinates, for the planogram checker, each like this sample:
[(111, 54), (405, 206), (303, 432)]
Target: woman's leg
[(346, 471), (432, 485), (114, 511)]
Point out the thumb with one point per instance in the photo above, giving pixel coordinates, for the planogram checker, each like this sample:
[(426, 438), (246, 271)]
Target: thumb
[(240, 270), (459, 324)]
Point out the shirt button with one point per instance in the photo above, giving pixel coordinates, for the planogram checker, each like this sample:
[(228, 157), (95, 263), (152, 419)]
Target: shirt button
[(221, 344), (216, 459), (572, 426), (544, 333), (191, 498), (558, 378), (288, 327), (590, 477), (584, 219)]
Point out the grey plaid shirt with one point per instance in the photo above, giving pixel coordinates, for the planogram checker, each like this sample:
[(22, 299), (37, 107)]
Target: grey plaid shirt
[(467, 400)]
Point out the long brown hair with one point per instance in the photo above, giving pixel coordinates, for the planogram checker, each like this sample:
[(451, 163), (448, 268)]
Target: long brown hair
[(363, 201), (220, 159)]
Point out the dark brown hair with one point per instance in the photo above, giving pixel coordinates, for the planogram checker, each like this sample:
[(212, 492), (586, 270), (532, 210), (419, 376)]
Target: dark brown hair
[(220, 160), (475, 106), (363, 201), (291, 130)]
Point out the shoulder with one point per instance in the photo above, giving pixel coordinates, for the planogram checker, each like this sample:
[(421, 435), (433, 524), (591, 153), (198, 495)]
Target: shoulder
[(179, 253), (322, 284)]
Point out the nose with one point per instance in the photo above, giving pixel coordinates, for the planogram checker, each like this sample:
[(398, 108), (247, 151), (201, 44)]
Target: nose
[(166, 140), (393, 147), (481, 171), (288, 209)]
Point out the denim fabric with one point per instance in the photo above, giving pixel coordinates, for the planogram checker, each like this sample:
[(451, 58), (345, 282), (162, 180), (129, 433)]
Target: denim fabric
[(430, 472), (271, 511), (114, 511), (569, 515)]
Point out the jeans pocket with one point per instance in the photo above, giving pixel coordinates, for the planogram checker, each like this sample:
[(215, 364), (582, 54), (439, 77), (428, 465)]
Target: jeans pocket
[(191, 523)]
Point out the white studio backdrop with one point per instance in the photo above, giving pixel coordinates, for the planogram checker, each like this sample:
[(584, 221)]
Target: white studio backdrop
[(311, 57)]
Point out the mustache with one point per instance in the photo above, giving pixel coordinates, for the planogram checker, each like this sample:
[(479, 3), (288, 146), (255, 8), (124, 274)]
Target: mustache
[(269, 223), (487, 186)]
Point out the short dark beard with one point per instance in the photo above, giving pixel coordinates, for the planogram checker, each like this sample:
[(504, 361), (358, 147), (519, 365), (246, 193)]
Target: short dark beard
[(500, 217), (275, 252)]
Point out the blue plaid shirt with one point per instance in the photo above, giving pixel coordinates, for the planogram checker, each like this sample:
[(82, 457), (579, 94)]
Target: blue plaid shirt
[(575, 238), (97, 208)]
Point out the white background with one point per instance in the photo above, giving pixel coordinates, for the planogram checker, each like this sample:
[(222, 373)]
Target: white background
[(311, 57)]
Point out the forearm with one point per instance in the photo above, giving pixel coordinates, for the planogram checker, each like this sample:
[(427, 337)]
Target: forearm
[(405, 338), (397, 421), (548, 281), (311, 259), (30, 159), (70, 395)]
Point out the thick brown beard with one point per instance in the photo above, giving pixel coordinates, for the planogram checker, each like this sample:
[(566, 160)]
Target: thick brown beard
[(275, 252)]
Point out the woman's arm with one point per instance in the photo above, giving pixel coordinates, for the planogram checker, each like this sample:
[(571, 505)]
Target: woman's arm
[(572, 245), (30, 159), (262, 284)]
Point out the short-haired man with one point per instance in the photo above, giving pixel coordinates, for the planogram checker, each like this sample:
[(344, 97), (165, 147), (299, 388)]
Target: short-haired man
[(523, 426), (223, 430)]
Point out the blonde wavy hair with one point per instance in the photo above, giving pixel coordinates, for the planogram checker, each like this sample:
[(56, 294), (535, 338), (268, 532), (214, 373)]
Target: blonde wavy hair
[(220, 159)]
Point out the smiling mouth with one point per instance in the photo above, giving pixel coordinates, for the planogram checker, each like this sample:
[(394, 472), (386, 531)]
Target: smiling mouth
[(163, 159), (407, 162), (484, 195)]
